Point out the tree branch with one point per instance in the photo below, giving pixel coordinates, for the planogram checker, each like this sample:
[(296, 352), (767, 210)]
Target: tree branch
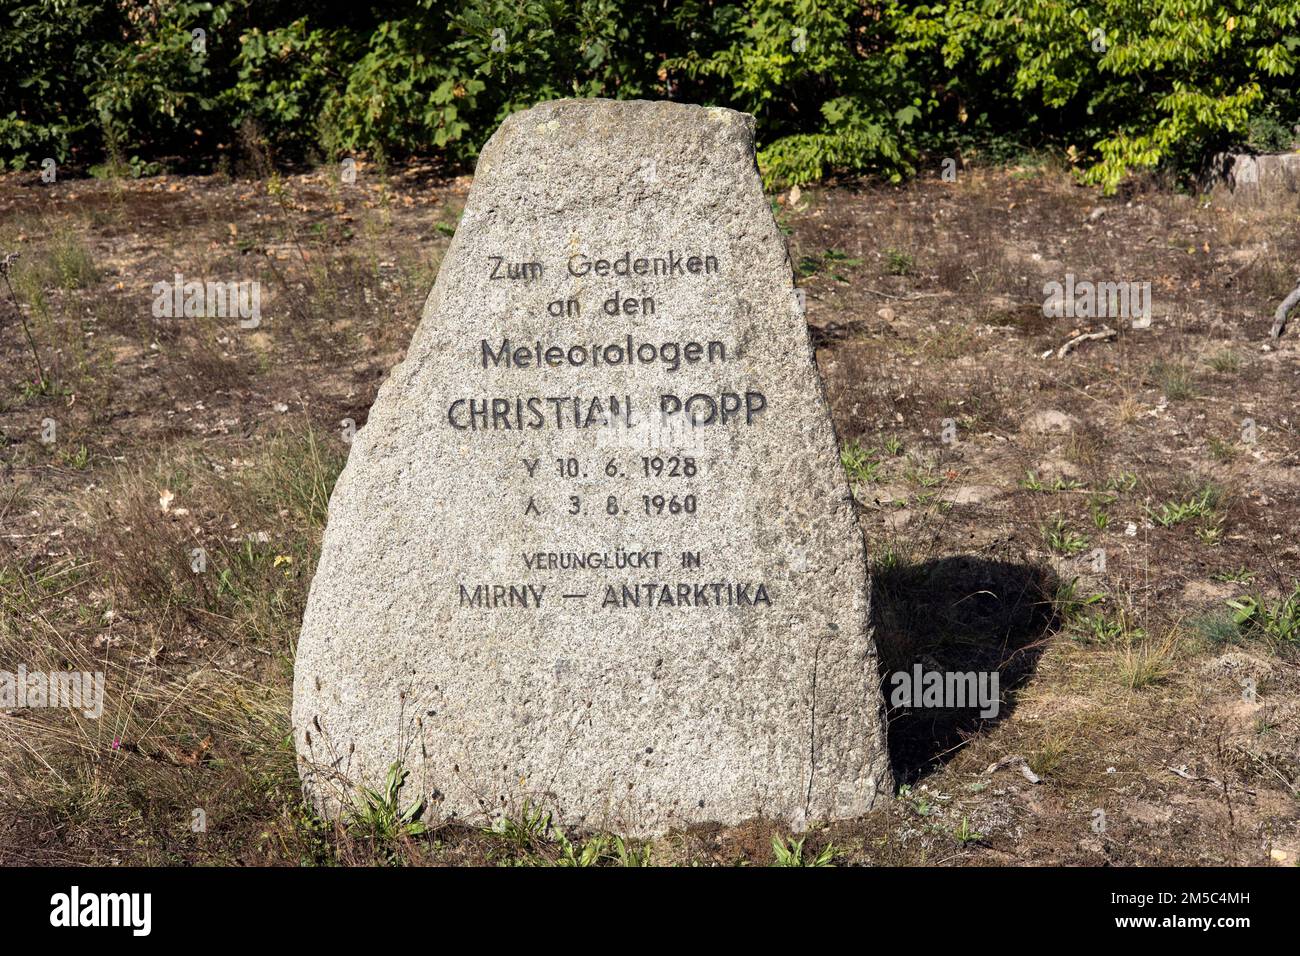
[(1279, 317)]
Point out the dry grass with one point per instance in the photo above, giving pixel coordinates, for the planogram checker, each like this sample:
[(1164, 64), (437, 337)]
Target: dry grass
[(1146, 662), (1111, 672), (197, 663)]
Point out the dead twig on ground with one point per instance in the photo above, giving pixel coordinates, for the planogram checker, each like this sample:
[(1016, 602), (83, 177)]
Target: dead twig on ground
[(1212, 781), (1106, 333), (1279, 317), (902, 298), (1015, 760)]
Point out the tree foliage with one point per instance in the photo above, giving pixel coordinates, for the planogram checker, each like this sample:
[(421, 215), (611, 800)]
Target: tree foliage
[(836, 85)]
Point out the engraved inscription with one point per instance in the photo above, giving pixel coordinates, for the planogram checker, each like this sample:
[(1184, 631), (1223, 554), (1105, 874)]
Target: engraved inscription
[(663, 488)]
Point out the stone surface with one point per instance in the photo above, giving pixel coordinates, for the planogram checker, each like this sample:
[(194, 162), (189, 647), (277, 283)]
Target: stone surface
[(973, 494), (714, 660), (1254, 172), (1051, 420)]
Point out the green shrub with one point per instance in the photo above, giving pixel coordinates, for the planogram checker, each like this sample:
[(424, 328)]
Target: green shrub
[(1140, 82), (49, 53), (1117, 86), (822, 83)]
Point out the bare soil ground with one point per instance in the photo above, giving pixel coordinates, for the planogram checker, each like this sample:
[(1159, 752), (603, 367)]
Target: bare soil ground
[(1079, 523)]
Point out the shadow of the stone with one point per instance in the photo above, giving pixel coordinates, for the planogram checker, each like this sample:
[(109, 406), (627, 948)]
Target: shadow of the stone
[(957, 615)]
